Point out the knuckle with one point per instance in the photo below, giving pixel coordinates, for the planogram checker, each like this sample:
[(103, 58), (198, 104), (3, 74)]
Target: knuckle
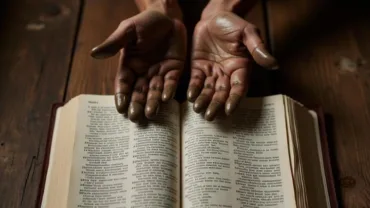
[(153, 96), (218, 101), (126, 26), (123, 80), (208, 86), (122, 24), (221, 88), (156, 87), (196, 77), (237, 83), (171, 77), (252, 29), (141, 89)]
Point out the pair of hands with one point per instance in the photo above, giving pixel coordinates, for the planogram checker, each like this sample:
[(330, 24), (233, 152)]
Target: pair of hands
[(152, 50)]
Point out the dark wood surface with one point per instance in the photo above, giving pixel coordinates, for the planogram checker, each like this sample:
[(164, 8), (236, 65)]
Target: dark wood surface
[(36, 42), (99, 19), (323, 50)]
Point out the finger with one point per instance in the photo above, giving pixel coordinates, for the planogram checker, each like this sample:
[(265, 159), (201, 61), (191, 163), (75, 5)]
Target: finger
[(123, 86), (171, 70), (257, 48), (238, 81), (138, 99), (154, 96), (170, 84), (206, 95), (196, 84), (219, 98), (124, 34)]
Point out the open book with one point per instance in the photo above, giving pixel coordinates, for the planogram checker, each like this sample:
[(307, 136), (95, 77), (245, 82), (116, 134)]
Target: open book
[(268, 154)]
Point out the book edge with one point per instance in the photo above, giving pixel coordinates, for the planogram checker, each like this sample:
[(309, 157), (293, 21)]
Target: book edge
[(326, 157), (42, 183)]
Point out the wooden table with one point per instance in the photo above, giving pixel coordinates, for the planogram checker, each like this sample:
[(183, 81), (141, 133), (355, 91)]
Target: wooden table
[(323, 49)]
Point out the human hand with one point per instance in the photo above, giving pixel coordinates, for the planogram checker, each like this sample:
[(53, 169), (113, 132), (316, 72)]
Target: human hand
[(152, 49), (224, 45)]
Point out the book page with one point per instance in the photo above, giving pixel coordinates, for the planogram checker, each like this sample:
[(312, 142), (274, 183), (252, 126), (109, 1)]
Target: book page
[(60, 159), (51, 158), (121, 164), (240, 161), (295, 157), (155, 160)]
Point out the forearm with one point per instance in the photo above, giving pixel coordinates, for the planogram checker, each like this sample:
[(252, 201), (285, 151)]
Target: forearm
[(168, 7), (239, 7)]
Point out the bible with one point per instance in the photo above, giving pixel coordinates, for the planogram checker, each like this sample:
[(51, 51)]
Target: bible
[(270, 153)]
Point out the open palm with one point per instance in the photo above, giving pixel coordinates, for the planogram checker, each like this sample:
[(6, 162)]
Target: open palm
[(153, 49), (223, 48)]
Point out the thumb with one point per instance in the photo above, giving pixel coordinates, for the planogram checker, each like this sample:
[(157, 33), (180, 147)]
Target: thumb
[(123, 35), (257, 48)]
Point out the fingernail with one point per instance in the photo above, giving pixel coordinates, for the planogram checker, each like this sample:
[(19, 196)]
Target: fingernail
[(168, 94), (261, 55), (151, 108), (200, 104), (193, 93), (135, 111), (231, 104), (100, 52), (212, 110), (122, 102)]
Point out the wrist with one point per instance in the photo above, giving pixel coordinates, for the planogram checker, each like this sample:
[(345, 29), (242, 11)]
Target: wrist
[(239, 7), (167, 7)]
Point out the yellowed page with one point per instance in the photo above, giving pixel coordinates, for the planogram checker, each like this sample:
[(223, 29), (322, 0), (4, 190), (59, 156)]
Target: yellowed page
[(241, 161), (58, 175), (100, 165), (121, 164), (310, 157), (51, 158), (155, 165), (294, 149)]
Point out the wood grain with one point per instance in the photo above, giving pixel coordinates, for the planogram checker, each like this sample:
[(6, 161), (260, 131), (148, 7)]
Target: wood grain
[(100, 18), (324, 52), (36, 40)]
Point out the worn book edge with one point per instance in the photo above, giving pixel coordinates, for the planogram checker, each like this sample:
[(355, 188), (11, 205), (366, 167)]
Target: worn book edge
[(45, 166), (325, 151)]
